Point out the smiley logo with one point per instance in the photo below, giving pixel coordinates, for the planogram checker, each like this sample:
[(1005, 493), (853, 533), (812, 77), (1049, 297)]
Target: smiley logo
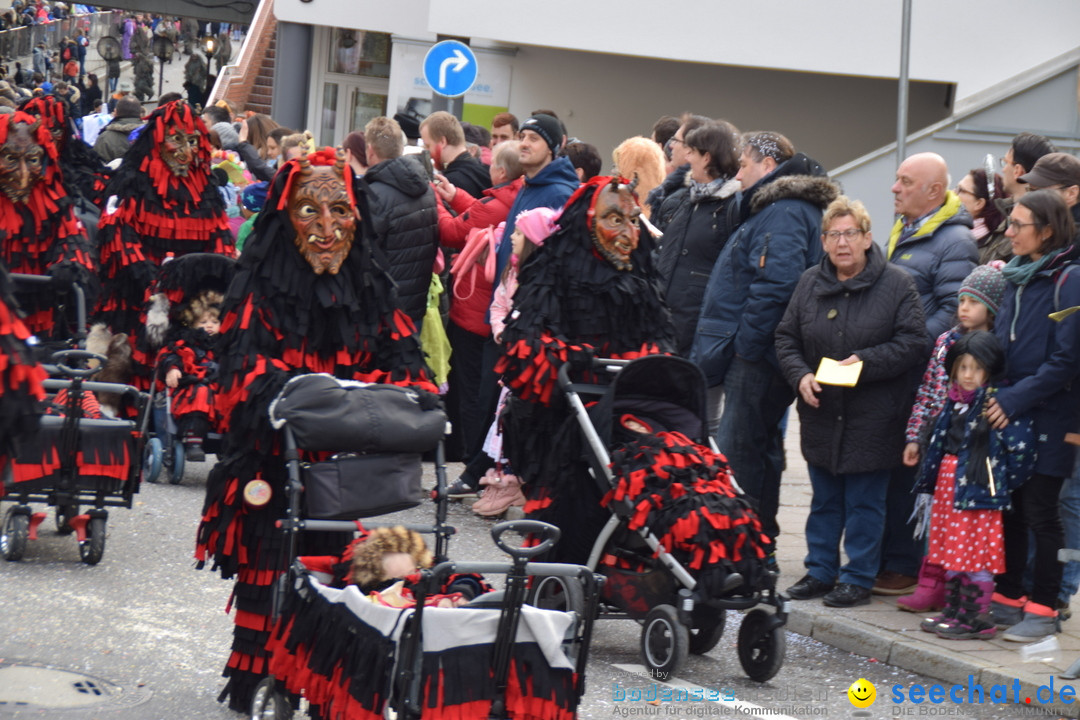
[(862, 693)]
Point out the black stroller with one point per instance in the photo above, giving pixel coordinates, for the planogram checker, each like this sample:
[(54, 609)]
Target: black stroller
[(681, 611), (354, 659), (75, 461)]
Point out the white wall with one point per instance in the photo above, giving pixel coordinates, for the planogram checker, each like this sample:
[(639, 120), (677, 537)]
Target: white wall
[(604, 99), (973, 43)]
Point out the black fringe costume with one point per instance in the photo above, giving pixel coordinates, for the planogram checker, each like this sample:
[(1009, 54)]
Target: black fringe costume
[(157, 214), (572, 305), (21, 394), (42, 236), (280, 320), (84, 174)]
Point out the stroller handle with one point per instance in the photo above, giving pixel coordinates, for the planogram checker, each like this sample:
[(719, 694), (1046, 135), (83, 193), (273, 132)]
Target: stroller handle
[(64, 356), (548, 534)]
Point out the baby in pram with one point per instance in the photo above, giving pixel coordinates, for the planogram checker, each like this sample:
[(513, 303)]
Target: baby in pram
[(187, 366)]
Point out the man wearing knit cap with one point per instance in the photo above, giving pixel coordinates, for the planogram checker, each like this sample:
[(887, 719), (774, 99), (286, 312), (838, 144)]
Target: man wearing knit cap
[(549, 182), (1061, 172)]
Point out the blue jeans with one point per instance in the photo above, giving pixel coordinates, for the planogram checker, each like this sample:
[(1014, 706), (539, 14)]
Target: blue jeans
[(1069, 504), (851, 505), (755, 399)]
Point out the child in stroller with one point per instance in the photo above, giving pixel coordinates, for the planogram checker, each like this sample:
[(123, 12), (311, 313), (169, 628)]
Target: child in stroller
[(188, 368)]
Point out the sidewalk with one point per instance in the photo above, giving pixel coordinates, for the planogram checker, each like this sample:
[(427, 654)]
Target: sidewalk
[(880, 631)]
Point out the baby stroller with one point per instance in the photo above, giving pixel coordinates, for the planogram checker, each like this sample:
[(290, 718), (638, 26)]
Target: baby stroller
[(75, 461), (681, 607), (355, 659), (176, 283)]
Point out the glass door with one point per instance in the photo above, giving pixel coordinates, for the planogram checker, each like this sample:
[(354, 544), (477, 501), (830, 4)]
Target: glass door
[(352, 83)]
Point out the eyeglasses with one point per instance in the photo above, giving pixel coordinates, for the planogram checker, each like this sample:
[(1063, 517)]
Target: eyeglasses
[(674, 140), (965, 191), (849, 234), (1010, 223)]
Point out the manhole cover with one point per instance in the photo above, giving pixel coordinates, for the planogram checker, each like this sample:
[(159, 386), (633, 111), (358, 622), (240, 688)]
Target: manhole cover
[(33, 686)]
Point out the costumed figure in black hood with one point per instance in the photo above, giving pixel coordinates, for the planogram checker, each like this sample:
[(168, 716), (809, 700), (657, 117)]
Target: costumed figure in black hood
[(39, 233), (83, 174), (162, 201), (590, 291), (307, 298), (21, 394)]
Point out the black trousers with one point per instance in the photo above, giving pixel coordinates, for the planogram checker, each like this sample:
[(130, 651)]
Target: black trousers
[(1035, 509)]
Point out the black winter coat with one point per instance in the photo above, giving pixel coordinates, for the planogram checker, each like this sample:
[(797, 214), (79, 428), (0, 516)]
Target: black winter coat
[(693, 239), (469, 174), (406, 224), (878, 316)]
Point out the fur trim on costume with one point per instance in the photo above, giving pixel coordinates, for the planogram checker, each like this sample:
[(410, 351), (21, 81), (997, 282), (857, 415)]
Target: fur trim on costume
[(157, 319), (118, 366)]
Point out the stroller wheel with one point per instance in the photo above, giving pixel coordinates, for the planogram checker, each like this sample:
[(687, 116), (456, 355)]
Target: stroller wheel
[(268, 704), (558, 593), (64, 513), (176, 471), (15, 533), (708, 628), (153, 455), (665, 642), (91, 551), (761, 646)]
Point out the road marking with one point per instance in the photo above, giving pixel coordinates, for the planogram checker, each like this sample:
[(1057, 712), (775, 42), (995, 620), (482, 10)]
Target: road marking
[(744, 709)]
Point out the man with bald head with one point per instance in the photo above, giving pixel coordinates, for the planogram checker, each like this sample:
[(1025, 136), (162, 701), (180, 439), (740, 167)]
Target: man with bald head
[(932, 240), (932, 237)]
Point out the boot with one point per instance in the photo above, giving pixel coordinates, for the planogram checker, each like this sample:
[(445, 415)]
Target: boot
[(973, 622), (1005, 611), (930, 596), (1038, 622), (952, 607)]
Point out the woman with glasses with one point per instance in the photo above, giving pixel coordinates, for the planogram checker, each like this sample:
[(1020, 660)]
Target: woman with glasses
[(854, 307), (1042, 362), (700, 223), (978, 196)]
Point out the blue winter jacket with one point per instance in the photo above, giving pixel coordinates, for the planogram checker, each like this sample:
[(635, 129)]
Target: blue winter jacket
[(757, 271), (551, 187), (1042, 360), (940, 255), (1011, 453)]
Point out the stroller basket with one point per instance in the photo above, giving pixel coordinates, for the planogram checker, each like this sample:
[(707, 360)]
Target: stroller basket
[(350, 487)]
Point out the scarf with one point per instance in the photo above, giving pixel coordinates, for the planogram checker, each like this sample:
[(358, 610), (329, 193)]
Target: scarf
[(960, 395), (1022, 268), (705, 191)]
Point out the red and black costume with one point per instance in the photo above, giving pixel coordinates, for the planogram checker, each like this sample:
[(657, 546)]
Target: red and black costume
[(83, 174), (155, 210), (191, 352), (283, 318), (21, 392), (40, 235), (572, 305)]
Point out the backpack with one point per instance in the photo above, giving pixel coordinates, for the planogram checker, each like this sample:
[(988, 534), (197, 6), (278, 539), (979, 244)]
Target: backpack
[(472, 260), (66, 54), (71, 68)]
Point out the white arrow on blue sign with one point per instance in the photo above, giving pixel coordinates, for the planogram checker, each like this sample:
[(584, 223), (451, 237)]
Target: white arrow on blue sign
[(450, 68)]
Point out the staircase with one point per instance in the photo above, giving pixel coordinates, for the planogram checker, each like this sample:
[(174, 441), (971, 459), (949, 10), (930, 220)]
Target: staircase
[(248, 84), (262, 91)]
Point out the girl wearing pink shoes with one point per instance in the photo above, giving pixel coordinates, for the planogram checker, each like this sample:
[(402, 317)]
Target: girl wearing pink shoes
[(976, 470), (502, 489), (980, 299)]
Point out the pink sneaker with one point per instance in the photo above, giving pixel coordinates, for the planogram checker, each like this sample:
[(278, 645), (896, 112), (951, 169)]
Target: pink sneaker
[(497, 499)]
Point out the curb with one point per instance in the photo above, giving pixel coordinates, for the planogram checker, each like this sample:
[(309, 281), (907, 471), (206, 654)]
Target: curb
[(903, 651)]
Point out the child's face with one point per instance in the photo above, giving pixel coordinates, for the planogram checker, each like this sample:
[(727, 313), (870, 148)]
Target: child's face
[(517, 242), (973, 314), (210, 323), (969, 374)]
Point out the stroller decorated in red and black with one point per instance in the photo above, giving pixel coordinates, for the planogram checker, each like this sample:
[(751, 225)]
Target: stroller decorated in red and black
[(682, 545)]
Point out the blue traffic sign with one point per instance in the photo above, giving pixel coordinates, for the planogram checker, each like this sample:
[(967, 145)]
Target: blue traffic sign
[(450, 68)]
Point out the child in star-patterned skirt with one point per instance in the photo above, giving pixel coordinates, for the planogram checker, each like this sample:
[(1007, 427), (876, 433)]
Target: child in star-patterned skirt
[(976, 470)]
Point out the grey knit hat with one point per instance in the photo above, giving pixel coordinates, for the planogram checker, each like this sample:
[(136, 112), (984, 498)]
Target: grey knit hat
[(985, 284)]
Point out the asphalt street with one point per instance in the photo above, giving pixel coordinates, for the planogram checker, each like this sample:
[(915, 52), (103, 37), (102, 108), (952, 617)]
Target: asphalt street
[(143, 635)]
